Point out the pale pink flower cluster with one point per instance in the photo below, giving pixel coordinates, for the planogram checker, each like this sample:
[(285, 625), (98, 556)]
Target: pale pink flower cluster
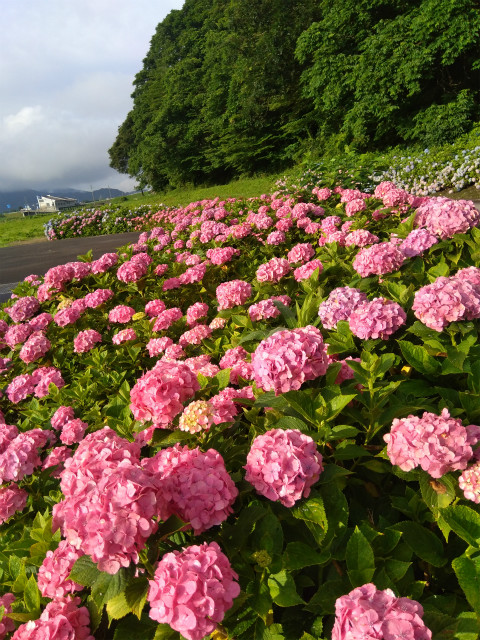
[(445, 217), (56, 458), (43, 377), (166, 318), (322, 194), (156, 346), (161, 269), (21, 457), (104, 263), (68, 315), (193, 274), (121, 314), (86, 340), (330, 224), (469, 483), (40, 322), (283, 465), (6, 624), (110, 501), (158, 396), (438, 444), (360, 238), (367, 612), (266, 309), (62, 619), (447, 300), (354, 206), (222, 255), (225, 407), (417, 241), (217, 323), (233, 293), (194, 485), (195, 335), (35, 347), (378, 318), (378, 259), (196, 311), (61, 416), (97, 298), (302, 252), (306, 270), (273, 270), (20, 387), (73, 431), (192, 589), (125, 335), (17, 334), (23, 309), (131, 271), (53, 574), (276, 237), (339, 305), (288, 358), (197, 416), (12, 499), (236, 360), (154, 308)]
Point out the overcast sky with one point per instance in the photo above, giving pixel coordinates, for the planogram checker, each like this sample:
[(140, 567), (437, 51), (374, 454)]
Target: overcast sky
[(66, 73)]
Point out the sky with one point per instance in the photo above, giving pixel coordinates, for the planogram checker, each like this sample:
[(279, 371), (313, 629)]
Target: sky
[(66, 74)]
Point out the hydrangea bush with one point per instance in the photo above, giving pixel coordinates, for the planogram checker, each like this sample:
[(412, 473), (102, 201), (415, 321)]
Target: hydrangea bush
[(259, 421)]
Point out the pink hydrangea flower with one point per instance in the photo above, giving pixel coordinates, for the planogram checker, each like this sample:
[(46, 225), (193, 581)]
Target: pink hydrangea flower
[(104, 263), (446, 300), (217, 323), (276, 237), (273, 270), (469, 482), (21, 457), (73, 431), (306, 270), (378, 318), (61, 416), (6, 624), (444, 217), (53, 573), (301, 253), (98, 297), (192, 590), (196, 311), (121, 314), (360, 238), (158, 396), (287, 359), (20, 387), (283, 465), (339, 305), (131, 271), (43, 377), (417, 241), (40, 322), (233, 293), (378, 259), (86, 340), (125, 335), (166, 318), (154, 308), (35, 347), (161, 269), (222, 255), (67, 316), (23, 309), (171, 283), (197, 416), (438, 444), (225, 408), (195, 335), (194, 485), (354, 206), (62, 619), (322, 194), (56, 458), (378, 615), (156, 346), (12, 499), (266, 308), (17, 334)]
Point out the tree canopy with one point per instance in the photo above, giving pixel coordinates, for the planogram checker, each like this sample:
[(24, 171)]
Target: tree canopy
[(236, 87)]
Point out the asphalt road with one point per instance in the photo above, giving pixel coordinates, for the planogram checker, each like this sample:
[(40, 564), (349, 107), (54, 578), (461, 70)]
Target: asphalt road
[(19, 261)]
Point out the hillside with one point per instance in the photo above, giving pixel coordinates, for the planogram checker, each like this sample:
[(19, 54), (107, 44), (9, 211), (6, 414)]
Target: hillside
[(21, 198)]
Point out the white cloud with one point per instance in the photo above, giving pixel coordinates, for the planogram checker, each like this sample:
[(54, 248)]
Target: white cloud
[(66, 74)]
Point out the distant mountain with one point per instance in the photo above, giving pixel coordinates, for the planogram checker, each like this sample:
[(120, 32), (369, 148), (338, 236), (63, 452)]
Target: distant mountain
[(19, 199)]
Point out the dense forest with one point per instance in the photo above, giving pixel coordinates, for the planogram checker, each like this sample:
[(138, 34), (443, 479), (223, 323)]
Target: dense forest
[(236, 87)]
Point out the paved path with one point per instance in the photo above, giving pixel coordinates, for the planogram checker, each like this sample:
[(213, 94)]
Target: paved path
[(19, 261)]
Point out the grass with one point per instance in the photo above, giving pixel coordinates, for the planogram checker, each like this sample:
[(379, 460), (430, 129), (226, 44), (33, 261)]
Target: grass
[(16, 229)]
